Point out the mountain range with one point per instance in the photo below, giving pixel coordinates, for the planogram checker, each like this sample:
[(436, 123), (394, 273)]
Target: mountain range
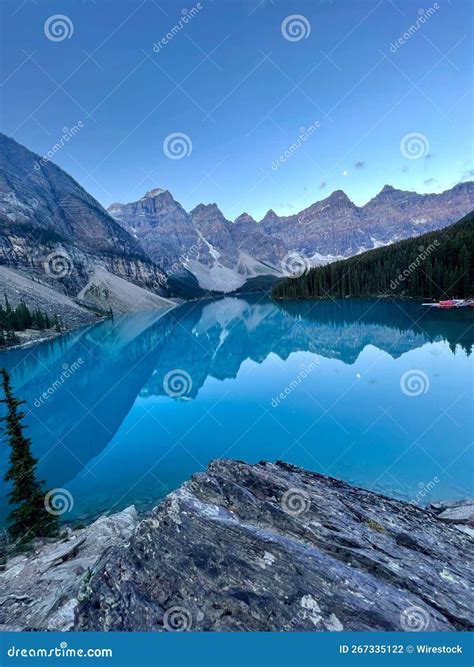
[(224, 255), (202, 246), (136, 255)]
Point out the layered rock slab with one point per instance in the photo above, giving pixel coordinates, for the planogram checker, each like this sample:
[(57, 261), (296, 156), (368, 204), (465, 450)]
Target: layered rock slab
[(274, 547)]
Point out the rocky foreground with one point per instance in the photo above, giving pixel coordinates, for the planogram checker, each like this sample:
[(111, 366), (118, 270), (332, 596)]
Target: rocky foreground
[(254, 548)]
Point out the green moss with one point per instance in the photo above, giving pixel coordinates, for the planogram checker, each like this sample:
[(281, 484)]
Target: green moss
[(374, 525), (86, 591)]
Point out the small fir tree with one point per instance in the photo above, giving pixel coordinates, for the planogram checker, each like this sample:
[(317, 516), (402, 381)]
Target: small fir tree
[(29, 517)]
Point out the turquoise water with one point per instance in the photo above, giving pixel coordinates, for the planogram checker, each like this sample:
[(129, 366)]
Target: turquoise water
[(376, 393)]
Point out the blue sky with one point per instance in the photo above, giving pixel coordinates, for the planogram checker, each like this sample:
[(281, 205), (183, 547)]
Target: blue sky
[(242, 93)]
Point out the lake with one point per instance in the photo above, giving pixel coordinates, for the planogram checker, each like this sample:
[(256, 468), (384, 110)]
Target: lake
[(378, 393)]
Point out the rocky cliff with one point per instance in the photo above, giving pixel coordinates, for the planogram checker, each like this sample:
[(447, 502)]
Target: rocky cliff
[(53, 230), (161, 225), (203, 244)]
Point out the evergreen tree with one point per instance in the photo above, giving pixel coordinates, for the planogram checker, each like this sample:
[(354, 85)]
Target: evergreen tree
[(20, 318), (29, 517), (437, 265)]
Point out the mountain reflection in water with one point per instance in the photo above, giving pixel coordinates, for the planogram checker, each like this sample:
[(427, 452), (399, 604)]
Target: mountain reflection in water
[(109, 432)]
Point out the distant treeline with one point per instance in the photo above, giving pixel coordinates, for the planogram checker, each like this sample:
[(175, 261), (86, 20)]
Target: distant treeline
[(433, 266), (19, 318)]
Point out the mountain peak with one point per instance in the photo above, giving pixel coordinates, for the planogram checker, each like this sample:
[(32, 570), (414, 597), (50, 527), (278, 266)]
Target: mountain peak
[(207, 209), (270, 215), (464, 185), (244, 217), (389, 192), (339, 196), (156, 192)]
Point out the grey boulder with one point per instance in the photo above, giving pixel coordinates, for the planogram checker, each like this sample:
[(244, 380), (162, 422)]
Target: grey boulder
[(274, 547), (40, 591)]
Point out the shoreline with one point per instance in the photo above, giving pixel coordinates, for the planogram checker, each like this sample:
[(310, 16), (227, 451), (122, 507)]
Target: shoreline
[(393, 297), (51, 336), (58, 334), (144, 509)]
